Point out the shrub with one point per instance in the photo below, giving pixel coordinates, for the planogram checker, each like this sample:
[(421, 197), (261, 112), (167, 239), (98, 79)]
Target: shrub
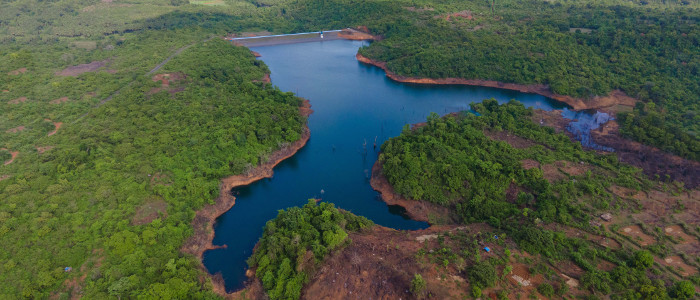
[(418, 285), (643, 259), (546, 290), (482, 274)]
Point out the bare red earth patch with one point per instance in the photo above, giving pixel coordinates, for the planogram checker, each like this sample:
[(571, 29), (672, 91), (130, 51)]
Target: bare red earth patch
[(513, 140), (83, 68), (465, 14), (149, 211), (15, 130), (635, 232), (14, 156), (677, 262), (57, 125), (41, 150), (18, 100), (18, 71), (59, 100), (529, 164)]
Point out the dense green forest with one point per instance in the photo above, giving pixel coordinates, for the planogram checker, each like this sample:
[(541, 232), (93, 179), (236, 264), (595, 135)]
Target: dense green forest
[(452, 161), (578, 49), (115, 195), (111, 165), (296, 241)]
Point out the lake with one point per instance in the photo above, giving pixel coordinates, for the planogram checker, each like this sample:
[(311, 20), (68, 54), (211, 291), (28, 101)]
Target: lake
[(353, 104)]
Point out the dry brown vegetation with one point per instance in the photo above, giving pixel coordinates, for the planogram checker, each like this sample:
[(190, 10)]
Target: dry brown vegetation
[(15, 130), (59, 100), (149, 211), (83, 68), (17, 72), (18, 100)]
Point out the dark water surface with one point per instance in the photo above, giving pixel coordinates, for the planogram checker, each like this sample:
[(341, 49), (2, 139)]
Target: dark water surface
[(353, 103)]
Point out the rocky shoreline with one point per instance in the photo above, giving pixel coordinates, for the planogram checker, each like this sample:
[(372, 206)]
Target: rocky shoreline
[(615, 97), (203, 222)]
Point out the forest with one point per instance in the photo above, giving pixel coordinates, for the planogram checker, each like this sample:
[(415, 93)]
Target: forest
[(581, 50), (115, 192), (453, 161), (296, 242), (105, 163)]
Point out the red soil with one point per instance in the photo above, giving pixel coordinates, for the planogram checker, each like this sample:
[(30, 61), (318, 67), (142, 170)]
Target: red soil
[(74, 285), (17, 72), (677, 263), (635, 232), (652, 160), (614, 98), (166, 80), (59, 100), (529, 164), (416, 210), (353, 34), (18, 100), (521, 279), (58, 126), (203, 221), (265, 79), (578, 233), (513, 140), (256, 54), (563, 169), (14, 156), (149, 211), (41, 150), (677, 232), (466, 14), (380, 264), (84, 68), (3, 177), (16, 129)]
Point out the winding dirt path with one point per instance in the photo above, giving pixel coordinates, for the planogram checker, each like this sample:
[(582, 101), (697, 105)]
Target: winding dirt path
[(14, 155), (58, 126), (156, 68)]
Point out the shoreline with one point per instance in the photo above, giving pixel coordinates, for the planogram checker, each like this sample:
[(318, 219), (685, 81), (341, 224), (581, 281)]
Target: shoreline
[(205, 218), (616, 97), (416, 210)]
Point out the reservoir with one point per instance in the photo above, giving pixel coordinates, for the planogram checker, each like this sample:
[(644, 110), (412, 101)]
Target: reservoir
[(354, 105)]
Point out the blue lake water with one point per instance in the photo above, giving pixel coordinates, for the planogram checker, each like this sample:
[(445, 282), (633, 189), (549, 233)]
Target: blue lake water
[(353, 103)]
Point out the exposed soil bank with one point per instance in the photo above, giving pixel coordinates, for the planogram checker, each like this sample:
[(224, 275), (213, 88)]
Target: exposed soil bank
[(203, 222), (358, 35), (361, 33), (652, 161), (615, 97), (416, 210)]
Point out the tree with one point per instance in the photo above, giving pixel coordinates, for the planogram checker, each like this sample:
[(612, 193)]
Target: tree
[(418, 286), (683, 290), (546, 290), (476, 291), (643, 259), (482, 274)]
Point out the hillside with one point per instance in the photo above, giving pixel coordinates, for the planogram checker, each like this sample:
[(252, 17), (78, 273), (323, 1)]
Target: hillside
[(120, 118)]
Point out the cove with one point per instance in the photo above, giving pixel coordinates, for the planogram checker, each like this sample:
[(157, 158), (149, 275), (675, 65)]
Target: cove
[(353, 104)]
